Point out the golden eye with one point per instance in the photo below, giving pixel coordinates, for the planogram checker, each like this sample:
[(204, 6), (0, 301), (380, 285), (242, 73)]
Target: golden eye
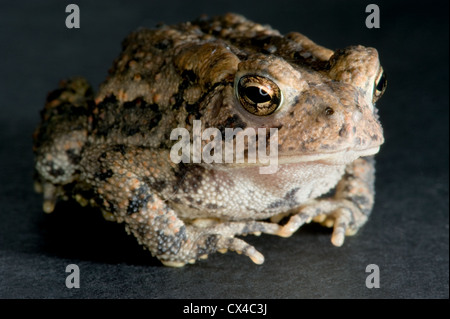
[(380, 86), (258, 95)]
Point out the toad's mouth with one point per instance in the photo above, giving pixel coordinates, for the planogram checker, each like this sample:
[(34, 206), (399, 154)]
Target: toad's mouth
[(333, 158), (342, 157)]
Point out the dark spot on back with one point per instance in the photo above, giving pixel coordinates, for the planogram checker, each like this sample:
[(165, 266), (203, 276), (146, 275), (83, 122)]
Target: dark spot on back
[(163, 45), (130, 130), (103, 175), (189, 75), (137, 102), (193, 112), (179, 96), (119, 148), (232, 122), (55, 172), (74, 158)]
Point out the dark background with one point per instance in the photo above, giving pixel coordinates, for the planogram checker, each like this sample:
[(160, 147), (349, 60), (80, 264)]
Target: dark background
[(407, 236)]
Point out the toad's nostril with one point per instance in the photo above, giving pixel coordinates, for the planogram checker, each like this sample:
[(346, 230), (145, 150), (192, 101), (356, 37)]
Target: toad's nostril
[(329, 111)]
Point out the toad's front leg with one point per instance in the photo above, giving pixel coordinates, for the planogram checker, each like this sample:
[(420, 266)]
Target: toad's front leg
[(175, 243), (157, 227), (126, 190), (348, 210)]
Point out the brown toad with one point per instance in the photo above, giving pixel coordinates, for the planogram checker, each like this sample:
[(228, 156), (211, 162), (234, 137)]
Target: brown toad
[(112, 149)]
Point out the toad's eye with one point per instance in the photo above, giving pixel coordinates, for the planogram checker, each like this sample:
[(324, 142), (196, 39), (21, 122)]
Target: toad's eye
[(380, 86), (258, 95)]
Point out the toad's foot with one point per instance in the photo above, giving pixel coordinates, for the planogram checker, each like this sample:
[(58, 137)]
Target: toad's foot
[(343, 215), (349, 208), (202, 241)]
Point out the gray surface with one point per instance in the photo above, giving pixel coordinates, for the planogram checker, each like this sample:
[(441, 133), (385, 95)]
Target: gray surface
[(407, 236)]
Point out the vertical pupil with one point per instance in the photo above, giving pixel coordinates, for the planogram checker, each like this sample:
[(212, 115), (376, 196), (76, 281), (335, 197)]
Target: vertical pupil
[(257, 94)]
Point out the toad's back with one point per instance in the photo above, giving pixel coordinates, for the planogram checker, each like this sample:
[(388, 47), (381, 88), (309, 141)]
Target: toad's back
[(163, 77)]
